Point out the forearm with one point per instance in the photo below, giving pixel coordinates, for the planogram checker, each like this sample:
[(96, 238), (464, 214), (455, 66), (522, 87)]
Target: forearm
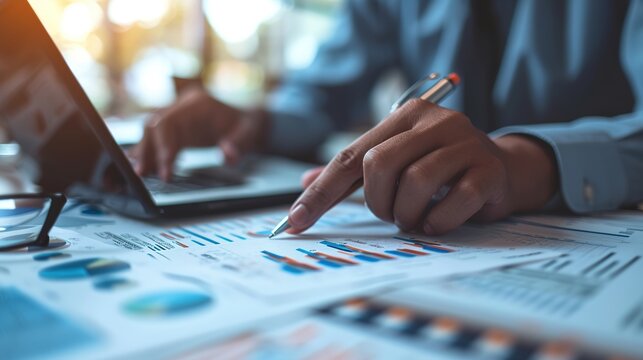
[(599, 160)]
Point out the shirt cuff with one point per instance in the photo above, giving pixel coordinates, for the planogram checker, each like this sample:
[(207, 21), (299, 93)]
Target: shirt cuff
[(591, 174)]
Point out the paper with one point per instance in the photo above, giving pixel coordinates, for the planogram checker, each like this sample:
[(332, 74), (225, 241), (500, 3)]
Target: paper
[(140, 287), (123, 302), (347, 249), (593, 294)]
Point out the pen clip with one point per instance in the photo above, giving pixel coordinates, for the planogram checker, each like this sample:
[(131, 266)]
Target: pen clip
[(413, 90)]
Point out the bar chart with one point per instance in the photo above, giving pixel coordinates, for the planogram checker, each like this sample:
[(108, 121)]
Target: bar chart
[(345, 254)]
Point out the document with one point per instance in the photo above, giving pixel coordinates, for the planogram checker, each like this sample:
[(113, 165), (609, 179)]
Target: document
[(591, 295), (123, 288), (348, 249), (586, 304)]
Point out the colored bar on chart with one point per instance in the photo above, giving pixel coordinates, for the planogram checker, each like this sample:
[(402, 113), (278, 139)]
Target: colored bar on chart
[(167, 236), (175, 234), (350, 248), (414, 252), (431, 247), (335, 258), (190, 232), (400, 253), (327, 260), (238, 236), (289, 264), (223, 238), (181, 244), (359, 256), (336, 246), (198, 243)]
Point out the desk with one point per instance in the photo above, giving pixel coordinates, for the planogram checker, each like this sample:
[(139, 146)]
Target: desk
[(214, 287), (178, 294)]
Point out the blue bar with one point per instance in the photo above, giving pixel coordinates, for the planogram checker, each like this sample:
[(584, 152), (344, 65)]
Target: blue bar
[(403, 238), (435, 250), (366, 258), (308, 252), (196, 242), (322, 260), (399, 253), (272, 256), (199, 236), (239, 237), (329, 263), (292, 269), (223, 238), (336, 246)]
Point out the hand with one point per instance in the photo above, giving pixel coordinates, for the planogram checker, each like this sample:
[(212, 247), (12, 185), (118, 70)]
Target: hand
[(195, 120), (417, 150)]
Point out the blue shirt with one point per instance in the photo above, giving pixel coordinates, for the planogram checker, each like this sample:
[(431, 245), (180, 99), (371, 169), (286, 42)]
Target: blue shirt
[(569, 72)]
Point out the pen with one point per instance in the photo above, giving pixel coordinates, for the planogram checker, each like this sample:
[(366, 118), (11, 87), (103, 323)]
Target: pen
[(434, 94)]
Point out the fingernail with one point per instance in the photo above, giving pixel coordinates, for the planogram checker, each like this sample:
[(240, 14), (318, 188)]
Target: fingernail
[(299, 216)]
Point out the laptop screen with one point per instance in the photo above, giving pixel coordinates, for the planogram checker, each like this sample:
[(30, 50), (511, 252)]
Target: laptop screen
[(46, 111)]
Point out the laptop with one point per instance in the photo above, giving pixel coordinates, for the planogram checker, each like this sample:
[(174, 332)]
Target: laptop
[(69, 148)]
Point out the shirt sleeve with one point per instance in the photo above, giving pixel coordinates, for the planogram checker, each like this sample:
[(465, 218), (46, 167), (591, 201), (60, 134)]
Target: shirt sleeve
[(334, 90), (600, 160)]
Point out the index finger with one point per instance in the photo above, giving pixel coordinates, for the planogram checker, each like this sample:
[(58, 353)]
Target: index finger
[(343, 172)]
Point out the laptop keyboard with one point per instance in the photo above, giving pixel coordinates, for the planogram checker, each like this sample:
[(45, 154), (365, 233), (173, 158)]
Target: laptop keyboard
[(193, 182)]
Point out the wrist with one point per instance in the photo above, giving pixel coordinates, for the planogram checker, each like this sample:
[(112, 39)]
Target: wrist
[(532, 171)]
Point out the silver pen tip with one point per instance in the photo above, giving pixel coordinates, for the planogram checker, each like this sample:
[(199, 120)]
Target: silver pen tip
[(271, 236)]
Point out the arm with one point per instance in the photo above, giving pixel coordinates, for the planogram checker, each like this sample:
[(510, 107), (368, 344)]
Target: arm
[(299, 116), (600, 160), (406, 159), (333, 91)]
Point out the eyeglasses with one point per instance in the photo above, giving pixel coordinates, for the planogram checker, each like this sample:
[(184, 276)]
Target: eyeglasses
[(26, 219)]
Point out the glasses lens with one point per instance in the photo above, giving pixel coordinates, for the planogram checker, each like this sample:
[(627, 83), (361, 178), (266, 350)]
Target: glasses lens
[(21, 220)]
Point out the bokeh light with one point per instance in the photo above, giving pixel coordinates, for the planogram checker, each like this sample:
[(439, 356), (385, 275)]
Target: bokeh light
[(125, 53), (91, 75), (149, 80), (236, 21), (79, 19), (147, 13)]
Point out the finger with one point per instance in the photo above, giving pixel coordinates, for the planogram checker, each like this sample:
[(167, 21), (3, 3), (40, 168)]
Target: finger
[(348, 193), (384, 164), (144, 153), (346, 169), (309, 176), (237, 143), (165, 148), (424, 178), (465, 199)]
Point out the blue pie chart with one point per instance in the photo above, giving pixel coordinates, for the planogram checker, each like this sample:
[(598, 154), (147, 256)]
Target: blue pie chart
[(167, 303), (83, 269), (51, 256), (111, 284)]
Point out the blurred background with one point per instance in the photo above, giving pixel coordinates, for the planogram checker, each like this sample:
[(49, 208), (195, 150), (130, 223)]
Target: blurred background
[(127, 53)]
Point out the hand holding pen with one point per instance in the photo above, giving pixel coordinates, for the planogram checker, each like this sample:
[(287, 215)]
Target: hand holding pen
[(420, 148)]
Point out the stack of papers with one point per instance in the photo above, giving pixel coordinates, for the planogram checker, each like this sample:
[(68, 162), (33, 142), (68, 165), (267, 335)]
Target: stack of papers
[(125, 288)]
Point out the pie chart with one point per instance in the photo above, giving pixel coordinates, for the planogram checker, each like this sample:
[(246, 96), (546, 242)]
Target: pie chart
[(51, 256), (83, 269), (111, 284), (167, 303)]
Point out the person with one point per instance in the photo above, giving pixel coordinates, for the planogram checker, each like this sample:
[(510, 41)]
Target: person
[(549, 113)]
